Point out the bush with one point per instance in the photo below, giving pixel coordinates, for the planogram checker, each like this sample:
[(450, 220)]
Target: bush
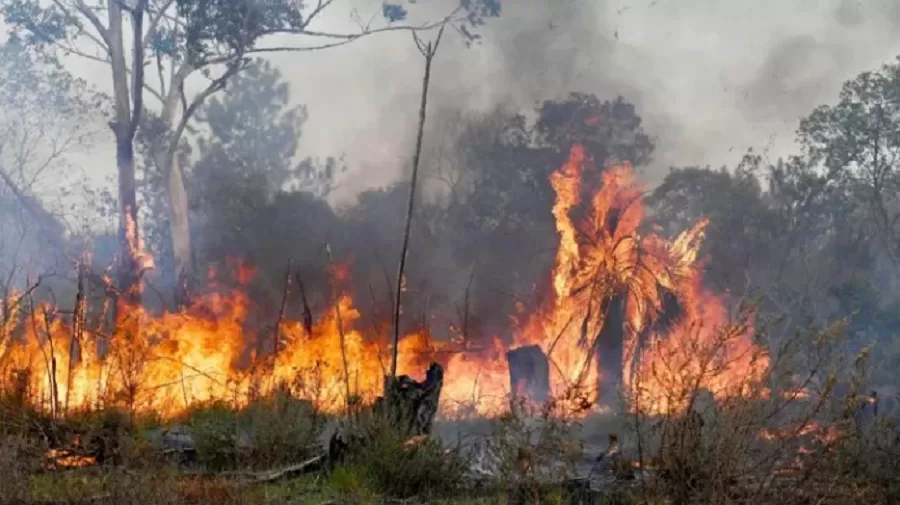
[(397, 467), (274, 430)]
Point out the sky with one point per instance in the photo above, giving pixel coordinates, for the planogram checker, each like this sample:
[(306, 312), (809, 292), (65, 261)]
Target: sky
[(711, 78)]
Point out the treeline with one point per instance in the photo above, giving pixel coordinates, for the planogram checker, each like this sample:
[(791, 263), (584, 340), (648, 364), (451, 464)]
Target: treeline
[(810, 238)]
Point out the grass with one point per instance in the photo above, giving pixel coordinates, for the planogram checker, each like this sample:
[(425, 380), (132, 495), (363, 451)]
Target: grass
[(852, 469), (345, 486), (827, 454)]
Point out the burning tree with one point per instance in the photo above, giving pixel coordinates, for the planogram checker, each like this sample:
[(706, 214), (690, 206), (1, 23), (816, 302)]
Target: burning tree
[(619, 294), (627, 286)]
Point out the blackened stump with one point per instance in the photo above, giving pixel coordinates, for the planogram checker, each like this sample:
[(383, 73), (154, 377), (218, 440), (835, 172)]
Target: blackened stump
[(529, 375), (412, 405), (408, 406)]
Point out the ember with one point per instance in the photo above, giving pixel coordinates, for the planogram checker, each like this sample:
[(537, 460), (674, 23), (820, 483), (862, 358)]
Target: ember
[(59, 458)]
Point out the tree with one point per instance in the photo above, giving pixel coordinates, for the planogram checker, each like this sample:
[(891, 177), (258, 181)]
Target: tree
[(501, 198), (855, 144), (178, 39), (44, 115), (247, 166), (253, 131), (743, 230)]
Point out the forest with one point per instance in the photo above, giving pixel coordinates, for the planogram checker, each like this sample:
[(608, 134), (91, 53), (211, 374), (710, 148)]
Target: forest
[(522, 316)]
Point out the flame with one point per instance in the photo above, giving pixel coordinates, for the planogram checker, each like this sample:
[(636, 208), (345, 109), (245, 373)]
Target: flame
[(208, 351), (604, 255)]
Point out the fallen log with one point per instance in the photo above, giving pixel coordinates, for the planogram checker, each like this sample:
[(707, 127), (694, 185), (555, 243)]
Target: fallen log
[(529, 377)]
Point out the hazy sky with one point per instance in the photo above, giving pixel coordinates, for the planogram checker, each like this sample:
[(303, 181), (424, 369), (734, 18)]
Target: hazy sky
[(710, 77)]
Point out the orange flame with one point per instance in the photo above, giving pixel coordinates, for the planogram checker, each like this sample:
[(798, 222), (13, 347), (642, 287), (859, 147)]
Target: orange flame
[(170, 362)]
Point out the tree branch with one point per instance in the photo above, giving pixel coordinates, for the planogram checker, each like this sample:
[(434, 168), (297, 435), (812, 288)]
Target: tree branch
[(155, 19), (94, 20), (345, 38)]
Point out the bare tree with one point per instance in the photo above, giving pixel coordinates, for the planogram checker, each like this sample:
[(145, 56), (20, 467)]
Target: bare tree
[(428, 51)]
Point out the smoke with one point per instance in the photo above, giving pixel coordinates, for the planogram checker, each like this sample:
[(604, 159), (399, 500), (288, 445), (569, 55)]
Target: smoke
[(711, 79)]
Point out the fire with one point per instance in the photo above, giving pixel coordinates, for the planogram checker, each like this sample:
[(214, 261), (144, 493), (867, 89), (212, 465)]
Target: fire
[(59, 458), (612, 282), (604, 257)]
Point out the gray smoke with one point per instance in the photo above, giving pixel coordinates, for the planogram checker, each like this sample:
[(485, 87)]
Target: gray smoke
[(710, 78)]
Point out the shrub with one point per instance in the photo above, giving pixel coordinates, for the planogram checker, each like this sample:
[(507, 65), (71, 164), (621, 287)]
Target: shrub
[(399, 467), (273, 430)]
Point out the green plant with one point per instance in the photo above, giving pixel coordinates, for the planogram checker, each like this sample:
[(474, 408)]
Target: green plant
[(400, 467), (274, 430)]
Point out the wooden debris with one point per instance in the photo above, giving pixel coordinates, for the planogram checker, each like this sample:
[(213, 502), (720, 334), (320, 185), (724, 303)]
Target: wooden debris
[(270, 476)]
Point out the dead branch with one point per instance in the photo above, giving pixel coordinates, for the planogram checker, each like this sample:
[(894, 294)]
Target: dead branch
[(428, 51), (270, 476), (307, 312), (284, 298), (340, 325)]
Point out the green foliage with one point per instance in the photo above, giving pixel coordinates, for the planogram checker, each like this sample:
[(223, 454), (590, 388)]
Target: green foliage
[(250, 197), (214, 431), (397, 467), (254, 132), (233, 26), (271, 431), (819, 240), (36, 25), (742, 227), (351, 484)]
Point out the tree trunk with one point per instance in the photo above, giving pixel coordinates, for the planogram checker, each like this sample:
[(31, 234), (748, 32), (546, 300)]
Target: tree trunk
[(611, 350), (129, 269), (127, 113), (180, 229), (176, 192), (529, 377), (408, 406)]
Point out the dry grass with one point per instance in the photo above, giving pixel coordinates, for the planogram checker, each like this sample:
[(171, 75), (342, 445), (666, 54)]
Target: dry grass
[(799, 434)]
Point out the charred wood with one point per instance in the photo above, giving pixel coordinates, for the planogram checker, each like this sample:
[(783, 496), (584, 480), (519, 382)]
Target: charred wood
[(408, 409), (409, 405), (529, 376)]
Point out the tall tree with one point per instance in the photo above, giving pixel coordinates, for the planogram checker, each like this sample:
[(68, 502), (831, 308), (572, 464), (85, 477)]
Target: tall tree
[(856, 144), (248, 161), (178, 39), (501, 196), (744, 231), (44, 116)]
